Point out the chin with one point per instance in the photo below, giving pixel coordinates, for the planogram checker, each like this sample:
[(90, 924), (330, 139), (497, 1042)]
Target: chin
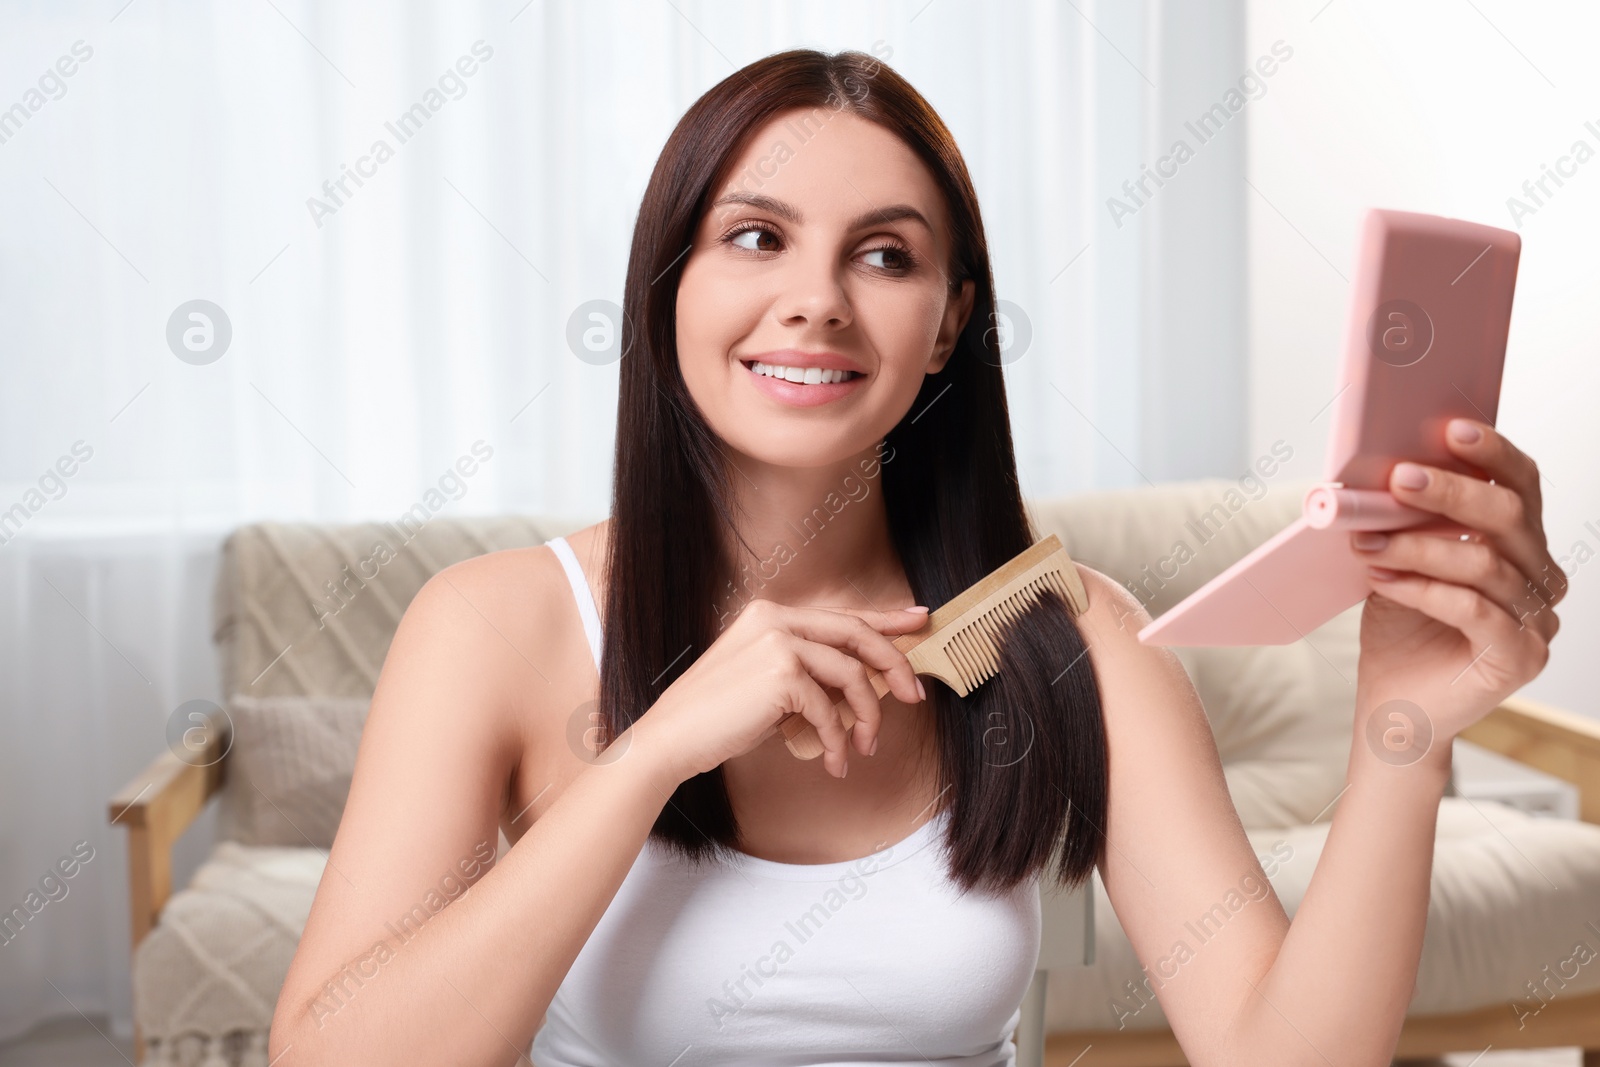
[(802, 448)]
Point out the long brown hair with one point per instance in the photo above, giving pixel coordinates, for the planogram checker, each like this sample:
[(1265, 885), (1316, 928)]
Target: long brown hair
[(954, 506)]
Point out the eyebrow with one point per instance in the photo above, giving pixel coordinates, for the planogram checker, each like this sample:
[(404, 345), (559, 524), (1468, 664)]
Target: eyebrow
[(870, 217)]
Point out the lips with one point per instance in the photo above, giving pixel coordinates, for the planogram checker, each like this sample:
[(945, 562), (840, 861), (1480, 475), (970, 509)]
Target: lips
[(774, 374)]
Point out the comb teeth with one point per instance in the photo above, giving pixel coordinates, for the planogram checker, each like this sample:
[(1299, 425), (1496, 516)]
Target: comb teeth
[(975, 648)]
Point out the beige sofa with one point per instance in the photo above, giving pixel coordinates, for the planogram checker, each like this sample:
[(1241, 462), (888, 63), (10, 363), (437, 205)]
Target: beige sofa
[(304, 615)]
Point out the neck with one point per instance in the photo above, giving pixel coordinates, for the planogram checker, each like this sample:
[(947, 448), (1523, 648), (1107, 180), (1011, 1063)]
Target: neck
[(817, 536)]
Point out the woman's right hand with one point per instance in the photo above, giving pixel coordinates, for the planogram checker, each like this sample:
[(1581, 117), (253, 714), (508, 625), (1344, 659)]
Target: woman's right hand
[(773, 660)]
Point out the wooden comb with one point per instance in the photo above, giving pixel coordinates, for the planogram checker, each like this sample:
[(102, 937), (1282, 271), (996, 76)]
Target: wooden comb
[(959, 644)]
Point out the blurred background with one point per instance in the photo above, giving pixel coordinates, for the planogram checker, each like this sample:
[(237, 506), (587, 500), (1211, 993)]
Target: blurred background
[(207, 329)]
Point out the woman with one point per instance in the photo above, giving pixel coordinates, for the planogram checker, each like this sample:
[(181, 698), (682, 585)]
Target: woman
[(812, 424)]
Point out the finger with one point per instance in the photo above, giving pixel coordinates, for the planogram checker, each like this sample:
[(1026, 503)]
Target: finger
[(1499, 512), (829, 666), (895, 620), (852, 633), (1471, 563), (808, 699), (1502, 651), (1495, 455)]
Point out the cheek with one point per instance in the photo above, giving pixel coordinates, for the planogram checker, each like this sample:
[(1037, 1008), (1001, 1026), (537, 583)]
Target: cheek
[(902, 326), (712, 316)]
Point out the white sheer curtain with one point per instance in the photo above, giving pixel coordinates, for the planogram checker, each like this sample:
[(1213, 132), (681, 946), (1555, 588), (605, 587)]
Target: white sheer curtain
[(376, 337)]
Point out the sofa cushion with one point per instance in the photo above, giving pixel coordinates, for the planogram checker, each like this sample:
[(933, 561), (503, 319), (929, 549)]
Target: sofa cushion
[(289, 768), (1511, 901)]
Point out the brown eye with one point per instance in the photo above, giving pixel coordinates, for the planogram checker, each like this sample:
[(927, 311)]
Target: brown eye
[(738, 239), (896, 260)]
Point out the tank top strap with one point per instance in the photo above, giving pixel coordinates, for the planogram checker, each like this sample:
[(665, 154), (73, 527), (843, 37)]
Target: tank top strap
[(581, 593)]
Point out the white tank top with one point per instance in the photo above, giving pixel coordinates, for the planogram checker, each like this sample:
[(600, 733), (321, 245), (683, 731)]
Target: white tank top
[(868, 961)]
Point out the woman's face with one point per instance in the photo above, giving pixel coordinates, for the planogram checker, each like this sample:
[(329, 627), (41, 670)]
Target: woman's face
[(827, 250)]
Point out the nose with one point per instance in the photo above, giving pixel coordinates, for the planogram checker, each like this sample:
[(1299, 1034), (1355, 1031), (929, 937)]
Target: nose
[(813, 294)]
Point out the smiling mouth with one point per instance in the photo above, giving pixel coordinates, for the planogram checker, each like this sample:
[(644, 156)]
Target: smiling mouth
[(801, 375)]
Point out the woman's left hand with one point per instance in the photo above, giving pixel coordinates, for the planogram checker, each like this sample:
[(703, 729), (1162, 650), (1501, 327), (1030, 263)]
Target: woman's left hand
[(1462, 624)]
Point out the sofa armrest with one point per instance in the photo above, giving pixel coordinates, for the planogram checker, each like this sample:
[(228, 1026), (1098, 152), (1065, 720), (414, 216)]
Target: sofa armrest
[(1548, 739), (156, 806)]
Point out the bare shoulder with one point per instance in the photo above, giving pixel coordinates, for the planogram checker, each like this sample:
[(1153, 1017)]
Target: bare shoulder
[(518, 610), (1108, 598), (499, 639), (1144, 684), (519, 596), (1115, 615)]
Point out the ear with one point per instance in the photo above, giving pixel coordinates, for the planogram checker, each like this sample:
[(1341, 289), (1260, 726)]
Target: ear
[(956, 312)]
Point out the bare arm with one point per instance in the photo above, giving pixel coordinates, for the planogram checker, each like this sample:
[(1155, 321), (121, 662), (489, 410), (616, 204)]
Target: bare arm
[(1455, 627), (473, 985), (1238, 983), (381, 974), (1175, 849)]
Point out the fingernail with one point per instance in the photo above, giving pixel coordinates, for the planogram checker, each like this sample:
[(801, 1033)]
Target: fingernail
[(920, 609), (1464, 431), (921, 692), (846, 769), (873, 750), (1382, 574), (1410, 476), (1370, 541)]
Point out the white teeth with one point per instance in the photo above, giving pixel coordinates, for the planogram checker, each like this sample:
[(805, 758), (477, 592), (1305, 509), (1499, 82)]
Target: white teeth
[(802, 375)]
